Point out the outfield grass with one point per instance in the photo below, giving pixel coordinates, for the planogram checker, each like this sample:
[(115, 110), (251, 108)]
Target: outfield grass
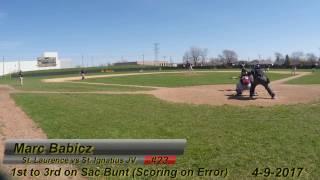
[(313, 78), (179, 79), (238, 138), (35, 84), (164, 80)]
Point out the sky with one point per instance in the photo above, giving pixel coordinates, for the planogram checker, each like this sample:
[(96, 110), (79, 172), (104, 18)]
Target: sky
[(128, 29)]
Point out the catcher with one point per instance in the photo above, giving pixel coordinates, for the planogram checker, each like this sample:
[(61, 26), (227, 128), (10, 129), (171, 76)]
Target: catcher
[(245, 81)]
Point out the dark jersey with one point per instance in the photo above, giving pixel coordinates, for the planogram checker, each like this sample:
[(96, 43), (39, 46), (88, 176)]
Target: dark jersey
[(20, 74), (258, 73), (244, 72)]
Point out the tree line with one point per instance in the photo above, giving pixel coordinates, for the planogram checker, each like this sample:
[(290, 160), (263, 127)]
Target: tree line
[(199, 57)]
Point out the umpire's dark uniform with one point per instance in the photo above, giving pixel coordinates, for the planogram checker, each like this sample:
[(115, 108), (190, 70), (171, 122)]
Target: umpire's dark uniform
[(259, 77)]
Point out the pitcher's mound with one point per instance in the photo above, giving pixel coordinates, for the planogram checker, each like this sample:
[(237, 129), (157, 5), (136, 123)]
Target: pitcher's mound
[(224, 94)]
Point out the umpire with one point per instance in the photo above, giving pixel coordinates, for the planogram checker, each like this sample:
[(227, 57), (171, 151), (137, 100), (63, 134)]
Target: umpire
[(259, 77)]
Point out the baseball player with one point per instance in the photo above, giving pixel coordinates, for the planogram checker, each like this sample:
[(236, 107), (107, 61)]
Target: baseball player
[(245, 81), (82, 73), (259, 77), (294, 70), (20, 75)]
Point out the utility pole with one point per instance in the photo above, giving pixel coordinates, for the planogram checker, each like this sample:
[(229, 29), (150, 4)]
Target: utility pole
[(82, 61), (19, 65), (3, 66), (142, 59), (156, 51), (87, 61)]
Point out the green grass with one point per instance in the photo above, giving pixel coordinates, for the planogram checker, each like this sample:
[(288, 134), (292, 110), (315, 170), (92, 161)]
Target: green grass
[(179, 79), (165, 80), (313, 78), (35, 84), (70, 71), (290, 69), (237, 138)]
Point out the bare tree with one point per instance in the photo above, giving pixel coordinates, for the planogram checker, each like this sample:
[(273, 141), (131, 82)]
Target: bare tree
[(229, 56), (311, 58), (297, 57), (267, 61), (215, 61), (186, 58), (279, 59), (204, 53), (195, 55)]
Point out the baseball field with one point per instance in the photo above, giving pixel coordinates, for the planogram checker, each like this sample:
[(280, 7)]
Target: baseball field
[(222, 131)]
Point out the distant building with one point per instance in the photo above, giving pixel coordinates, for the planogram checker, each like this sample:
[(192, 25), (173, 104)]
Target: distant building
[(125, 63), (154, 63), (147, 63)]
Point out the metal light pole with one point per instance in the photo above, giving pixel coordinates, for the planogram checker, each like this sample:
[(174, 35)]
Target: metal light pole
[(82, 61), (3, 66), (143, 59), (156, 51)]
